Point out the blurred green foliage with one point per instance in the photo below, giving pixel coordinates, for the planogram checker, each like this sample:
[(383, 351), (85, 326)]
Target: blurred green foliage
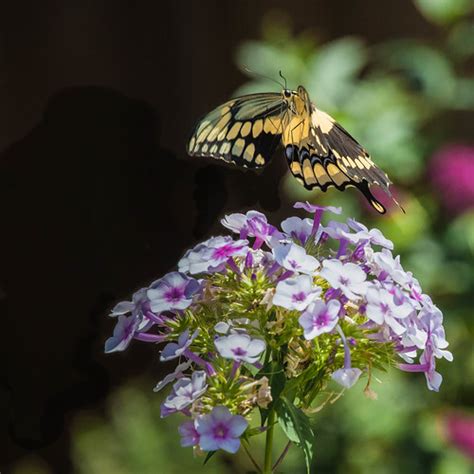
[(394, 97)]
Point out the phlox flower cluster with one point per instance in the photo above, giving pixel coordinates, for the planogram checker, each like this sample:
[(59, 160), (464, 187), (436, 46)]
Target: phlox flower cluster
[(279, 312)]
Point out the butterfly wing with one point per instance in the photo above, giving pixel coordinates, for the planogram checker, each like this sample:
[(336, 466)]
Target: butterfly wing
[(332, 157), (244, 131)]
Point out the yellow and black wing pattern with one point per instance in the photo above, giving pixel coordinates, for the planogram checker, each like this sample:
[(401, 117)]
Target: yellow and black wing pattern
[(244, 131), (332, 157)]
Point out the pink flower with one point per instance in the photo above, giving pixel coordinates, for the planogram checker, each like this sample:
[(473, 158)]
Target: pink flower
[(452, 176), (459, 429)]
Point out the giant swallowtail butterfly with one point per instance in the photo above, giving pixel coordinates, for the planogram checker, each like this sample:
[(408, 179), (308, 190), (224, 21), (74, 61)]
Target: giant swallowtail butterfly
[(247, 130)]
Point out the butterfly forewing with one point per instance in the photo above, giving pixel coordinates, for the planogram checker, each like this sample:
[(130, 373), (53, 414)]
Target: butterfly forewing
[(244, 131)]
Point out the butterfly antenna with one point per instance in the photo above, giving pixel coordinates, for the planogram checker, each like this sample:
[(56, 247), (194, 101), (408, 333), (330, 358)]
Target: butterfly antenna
[(283, 77), (253, 73)]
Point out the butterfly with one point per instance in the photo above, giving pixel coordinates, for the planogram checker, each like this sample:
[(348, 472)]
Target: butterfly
[(247, 130)]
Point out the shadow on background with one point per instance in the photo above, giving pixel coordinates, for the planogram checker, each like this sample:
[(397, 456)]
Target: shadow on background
[(93, 207)]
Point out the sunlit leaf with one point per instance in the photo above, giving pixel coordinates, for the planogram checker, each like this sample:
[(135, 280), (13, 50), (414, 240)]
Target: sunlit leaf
[(444, 11), (425, 69), (297, 427), (333, 69)]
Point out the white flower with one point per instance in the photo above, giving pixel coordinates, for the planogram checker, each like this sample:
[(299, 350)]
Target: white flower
[(293, 257), (348, 277), (296, 293), (319, 318), (381, 308)]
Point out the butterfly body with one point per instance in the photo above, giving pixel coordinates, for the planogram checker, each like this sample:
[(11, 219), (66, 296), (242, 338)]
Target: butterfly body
[(247, 130)]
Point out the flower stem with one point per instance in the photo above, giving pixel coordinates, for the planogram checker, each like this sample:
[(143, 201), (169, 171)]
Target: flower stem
[(282, 455), (252, 459), (267, 465)]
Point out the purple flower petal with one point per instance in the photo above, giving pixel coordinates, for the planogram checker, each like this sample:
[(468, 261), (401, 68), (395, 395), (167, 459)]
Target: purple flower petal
[(346, 377)]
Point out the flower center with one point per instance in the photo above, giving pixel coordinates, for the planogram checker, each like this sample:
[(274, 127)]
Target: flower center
[(238, 351), (223, 252), (343, 281), (294, 264), (301, 296), (174, 295), (220, 431), (321, 320)]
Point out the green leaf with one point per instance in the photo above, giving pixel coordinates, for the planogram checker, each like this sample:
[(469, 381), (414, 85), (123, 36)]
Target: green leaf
[(297, 428), (444, 11), (332, 71), (426, 68), (275, 373), (209, 456)]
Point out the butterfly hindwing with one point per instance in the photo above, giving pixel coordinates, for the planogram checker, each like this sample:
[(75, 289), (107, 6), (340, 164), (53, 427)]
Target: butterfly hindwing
[(244, 131), (332, 157)]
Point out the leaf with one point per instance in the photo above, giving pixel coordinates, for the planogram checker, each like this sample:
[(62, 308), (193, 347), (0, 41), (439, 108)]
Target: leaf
[(209, 456), (444, 11), (297, 428), (275, 373), (333, 70), (427, 70)]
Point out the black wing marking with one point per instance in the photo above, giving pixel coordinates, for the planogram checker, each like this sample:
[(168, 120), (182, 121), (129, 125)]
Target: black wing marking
[(244, 131), (334, 158)]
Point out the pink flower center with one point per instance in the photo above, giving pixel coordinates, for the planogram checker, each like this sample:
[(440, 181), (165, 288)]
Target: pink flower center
[(223, 252), (220, 431), (238, 351), (298, 297), (174, 294), (321, 320)]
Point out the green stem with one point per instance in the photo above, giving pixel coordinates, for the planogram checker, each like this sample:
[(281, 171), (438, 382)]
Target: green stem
[(267, 465), (252, 459), (282, 456)]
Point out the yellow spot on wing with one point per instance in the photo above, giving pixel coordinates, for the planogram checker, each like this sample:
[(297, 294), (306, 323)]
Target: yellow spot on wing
[(377, 206), (218, 127), (238, 147), (202, 126), (204, 148), (257, 128), (245, 130), (202, 136), (321, 174), (234, 131), (322, 120), (222, 134), (296, 168), (192, 142), (365, 162), (308, 173), (225, 148), (249, 152), (351, 162), (260, 160), (336, 174)]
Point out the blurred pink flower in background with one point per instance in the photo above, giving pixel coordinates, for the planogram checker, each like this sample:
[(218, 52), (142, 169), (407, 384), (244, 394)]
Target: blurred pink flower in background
[(452, 176), (458, 429)]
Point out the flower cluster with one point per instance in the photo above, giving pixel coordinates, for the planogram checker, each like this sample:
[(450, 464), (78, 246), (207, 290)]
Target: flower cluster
[(277, 314)]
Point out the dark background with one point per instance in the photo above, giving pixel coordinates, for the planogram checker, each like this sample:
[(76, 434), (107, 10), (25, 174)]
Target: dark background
[(98, 196)]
